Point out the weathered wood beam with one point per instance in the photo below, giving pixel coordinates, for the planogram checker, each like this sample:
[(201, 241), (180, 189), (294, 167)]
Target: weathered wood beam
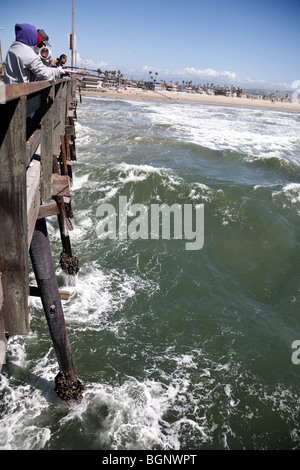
[(63, 226), (13, 217), (69, 129), (47, 210), (57, 125), (60, 185), (63, 156), (15, 91), (34, 291), (47, 142), (33, 196), (32, 144)]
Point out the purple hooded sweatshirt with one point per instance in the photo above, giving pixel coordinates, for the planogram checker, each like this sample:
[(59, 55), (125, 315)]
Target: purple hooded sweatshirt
[(22, 64), (26, 33)]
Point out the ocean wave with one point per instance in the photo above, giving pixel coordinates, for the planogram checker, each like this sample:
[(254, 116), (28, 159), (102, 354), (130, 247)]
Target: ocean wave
[(178, 350), (289, 195)]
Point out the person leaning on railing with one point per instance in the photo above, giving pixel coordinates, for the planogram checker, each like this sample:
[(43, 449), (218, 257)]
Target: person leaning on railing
[(22, 63)]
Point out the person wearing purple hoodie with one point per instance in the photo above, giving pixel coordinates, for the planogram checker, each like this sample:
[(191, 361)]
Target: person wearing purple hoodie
[(22, 64)]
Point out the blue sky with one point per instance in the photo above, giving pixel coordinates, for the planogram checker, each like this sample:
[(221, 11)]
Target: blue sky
[(248, 43)]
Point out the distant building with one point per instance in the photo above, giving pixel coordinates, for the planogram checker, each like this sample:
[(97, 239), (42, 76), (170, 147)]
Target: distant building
[(153, 86), (91, 82), (172, 87)]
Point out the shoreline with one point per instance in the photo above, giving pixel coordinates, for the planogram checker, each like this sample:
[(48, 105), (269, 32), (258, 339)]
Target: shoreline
[(148, 95)]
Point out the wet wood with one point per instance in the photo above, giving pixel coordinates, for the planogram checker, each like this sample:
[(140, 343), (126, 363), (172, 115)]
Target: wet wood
[(33, 196), (63, 156), (34, 291), (60, 185), (32, 144), (15, 91), (13, 217), (47, 142), (47, 210)]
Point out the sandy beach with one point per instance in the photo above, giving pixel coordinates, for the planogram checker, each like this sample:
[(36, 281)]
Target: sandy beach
[(190, 97)]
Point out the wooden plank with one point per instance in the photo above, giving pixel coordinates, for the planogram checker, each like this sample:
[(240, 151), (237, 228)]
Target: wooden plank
[(60, 185), (13, 216), (63, 156), (67, 139), (47, 142), (33, 196), (71, 112), (34, 291), (69, 129), (32, 144), (47, 210), (69, 97), (63, 108), (62, 219), (15, 91), (56, 119)]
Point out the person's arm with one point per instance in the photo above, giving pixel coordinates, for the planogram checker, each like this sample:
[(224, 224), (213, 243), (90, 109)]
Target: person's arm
[(41, 71)]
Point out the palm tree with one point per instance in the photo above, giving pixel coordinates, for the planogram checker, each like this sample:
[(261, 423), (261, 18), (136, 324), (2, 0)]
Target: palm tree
[(150, 71), (119, 76)]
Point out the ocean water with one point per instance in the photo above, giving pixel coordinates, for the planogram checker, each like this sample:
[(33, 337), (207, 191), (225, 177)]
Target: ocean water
[(179, 349)]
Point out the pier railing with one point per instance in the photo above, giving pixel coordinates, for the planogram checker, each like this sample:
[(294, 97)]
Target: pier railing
[(37, 147)]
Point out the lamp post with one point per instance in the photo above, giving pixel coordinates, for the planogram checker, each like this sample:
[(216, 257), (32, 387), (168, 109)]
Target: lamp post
[(0, 54), (72, 54)]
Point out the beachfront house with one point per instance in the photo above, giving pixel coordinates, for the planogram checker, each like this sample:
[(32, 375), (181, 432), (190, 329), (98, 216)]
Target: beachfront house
[(153, 86), (172, 87), (91, 82)]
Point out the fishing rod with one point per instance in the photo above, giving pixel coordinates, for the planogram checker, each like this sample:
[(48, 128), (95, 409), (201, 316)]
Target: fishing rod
[(84, 69)]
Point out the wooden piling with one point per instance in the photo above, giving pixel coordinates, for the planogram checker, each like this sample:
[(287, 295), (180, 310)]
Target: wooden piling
[(13, 217), (40, 255)]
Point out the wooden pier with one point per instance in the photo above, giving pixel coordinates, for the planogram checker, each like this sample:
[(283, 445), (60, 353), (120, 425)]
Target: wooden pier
[(37, 148)]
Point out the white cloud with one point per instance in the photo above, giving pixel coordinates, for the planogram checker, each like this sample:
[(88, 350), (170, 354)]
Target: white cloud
[(89, 63), (192, 72), (210, 73), (218, 76), (264, 84)]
